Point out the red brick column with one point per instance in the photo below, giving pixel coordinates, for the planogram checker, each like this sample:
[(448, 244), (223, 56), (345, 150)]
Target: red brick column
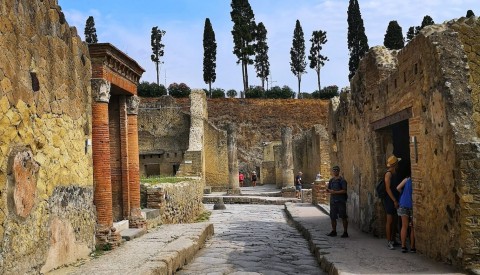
[(101, 152), (136, 219), (125, 156)]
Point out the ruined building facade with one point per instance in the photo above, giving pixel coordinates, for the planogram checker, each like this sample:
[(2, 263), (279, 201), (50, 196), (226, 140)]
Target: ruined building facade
[(421, 104), (173, 142)]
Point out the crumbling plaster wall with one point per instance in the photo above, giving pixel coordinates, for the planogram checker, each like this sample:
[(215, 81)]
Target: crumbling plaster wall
[(432, 77), (47, 216)]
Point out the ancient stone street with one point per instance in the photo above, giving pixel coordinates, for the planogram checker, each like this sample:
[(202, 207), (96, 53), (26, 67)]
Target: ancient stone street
[(253, 239)]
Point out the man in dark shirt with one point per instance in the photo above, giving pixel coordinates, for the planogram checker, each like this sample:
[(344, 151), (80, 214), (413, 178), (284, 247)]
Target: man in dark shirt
[(337, 187)]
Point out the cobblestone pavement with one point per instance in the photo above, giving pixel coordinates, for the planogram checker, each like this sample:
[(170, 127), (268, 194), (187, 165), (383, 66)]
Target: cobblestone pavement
[(253, 239)]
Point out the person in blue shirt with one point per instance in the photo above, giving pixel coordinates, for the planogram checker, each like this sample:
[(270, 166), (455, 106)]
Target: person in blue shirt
[(337, 187), (405, 212)]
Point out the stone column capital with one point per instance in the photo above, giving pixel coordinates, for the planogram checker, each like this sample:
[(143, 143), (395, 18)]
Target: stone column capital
[(100, 90), (132, 105)]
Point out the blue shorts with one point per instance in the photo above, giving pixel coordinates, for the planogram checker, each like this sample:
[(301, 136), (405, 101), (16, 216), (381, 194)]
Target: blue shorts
[(338, 209), (298, 187)]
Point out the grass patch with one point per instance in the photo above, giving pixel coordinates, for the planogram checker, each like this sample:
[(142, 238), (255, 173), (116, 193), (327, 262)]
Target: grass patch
[(204, 216), (158, 179)]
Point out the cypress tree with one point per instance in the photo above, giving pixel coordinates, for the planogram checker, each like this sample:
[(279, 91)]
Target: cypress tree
[(90, 31), (410, 33), (427, 20), (357, 40), (394, 37), (157, 49), (262, 65), (243, 36), (317, 60), (297, 54), (209, 55)]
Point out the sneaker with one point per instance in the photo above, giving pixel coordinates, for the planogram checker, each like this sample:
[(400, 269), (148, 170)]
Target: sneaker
[(344, 235), (413, 250), (332, 234), (390, 245), (404, 250)]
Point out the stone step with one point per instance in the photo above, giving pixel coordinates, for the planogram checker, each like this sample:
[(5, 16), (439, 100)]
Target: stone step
[(132, 233), (121, 225), (150, 213)]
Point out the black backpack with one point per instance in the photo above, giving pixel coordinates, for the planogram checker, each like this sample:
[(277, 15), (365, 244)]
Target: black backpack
[(380, 189)]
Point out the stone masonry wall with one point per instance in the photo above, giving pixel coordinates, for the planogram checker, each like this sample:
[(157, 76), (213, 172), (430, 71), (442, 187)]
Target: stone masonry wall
[(427, 83), (311, 153), (163, 129), (46, 199), (216, 166), (178, 202)]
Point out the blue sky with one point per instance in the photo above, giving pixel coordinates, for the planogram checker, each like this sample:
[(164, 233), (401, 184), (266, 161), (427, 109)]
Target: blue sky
[(128, 24)]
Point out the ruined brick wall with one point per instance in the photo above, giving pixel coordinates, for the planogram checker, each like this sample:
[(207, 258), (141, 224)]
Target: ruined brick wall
[(47, 217), (216, 155), (428, 84), (311, 153), (163, 131)]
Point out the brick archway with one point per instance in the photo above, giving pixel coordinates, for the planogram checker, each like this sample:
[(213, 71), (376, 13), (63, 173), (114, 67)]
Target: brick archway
[(115, 77)]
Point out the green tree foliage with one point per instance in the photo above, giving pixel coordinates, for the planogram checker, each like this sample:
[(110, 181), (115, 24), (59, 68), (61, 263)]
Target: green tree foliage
[(317, 60), (243, 33), (262, 65), (255, 92), (179, 90), (357, 40), (157, 49), (427, 21), (90, 31), (209, 54), (218, 93), (410, 33), (413, 31), (394, 36), (147, 89), (297, 54), (326, 93), (232, 93), (277, 92), (470, 13)]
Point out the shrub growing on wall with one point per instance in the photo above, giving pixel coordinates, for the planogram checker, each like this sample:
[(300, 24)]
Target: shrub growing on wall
[(231, 93), (179, 90)]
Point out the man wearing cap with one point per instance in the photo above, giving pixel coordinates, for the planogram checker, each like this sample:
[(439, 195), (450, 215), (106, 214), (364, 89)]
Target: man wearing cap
[(390, 202), (337, 187)]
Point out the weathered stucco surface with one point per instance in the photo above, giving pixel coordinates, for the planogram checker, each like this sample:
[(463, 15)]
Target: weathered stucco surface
[(44, 72), (427, 89)]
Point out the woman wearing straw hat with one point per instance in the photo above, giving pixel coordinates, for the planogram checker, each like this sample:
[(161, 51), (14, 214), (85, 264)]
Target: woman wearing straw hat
[(391, 199)]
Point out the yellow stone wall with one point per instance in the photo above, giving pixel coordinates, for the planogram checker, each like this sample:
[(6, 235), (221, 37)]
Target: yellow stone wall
[(216, 157), (44, 110)]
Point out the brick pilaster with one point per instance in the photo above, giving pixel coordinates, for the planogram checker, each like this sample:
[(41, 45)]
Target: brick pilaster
[(133, 160), (101, 152)]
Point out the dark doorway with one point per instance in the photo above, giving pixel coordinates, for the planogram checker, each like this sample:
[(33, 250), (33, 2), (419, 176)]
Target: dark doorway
[(401, 147)]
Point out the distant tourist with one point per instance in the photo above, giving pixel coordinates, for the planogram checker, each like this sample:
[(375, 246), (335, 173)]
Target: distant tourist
[(390, 202), (241, 178), (298, 185), (254, 178), (405, 212), (337, 187)]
